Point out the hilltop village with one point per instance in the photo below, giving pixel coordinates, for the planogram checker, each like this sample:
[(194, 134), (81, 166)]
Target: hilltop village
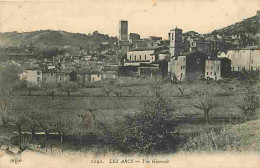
[(182, 57)]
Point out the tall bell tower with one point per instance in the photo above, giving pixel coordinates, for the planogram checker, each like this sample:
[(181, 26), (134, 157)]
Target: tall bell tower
[(175, 37)]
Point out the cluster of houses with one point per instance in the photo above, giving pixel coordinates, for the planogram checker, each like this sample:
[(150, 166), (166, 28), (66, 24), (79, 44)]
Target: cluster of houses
[(203, 59), (40, 77), (184, 56), (82, 67)]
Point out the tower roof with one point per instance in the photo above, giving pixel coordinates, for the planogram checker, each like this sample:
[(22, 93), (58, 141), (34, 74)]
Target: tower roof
[(175, 29)]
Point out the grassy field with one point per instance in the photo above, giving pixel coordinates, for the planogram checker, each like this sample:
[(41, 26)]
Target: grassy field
[(109, 108)]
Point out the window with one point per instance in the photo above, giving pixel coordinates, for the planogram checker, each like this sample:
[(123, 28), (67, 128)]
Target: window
[(183, 67), (135, 57), (211, 67), (215, 74), (238, 68), (98, 76), (38, 79), (184, 59), (38, 73), (130, 57), (233, 68), (218, 67), (140, 57), (207, 73), (181, 74), (210, 73), (144, 57)]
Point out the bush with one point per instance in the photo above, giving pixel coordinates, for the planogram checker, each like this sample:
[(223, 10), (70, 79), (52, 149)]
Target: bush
[(149, 130), (213, 140), (250, 104)]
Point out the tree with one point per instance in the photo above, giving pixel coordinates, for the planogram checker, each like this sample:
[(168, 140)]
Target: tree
[(43, 118), (250, 104), (32, 88), (151, 128), (14, 116), (62, 123), (107, 89), (206, 104), (68, 87), (118, 91), (50, 89)]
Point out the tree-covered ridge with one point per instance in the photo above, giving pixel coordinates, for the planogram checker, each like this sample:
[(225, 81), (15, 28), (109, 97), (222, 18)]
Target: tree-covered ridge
[(248, 26), (52, 37)]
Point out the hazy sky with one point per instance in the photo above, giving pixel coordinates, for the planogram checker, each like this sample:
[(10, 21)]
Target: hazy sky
[(146, 17)]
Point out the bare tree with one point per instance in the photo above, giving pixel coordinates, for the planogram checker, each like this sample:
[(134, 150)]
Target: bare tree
[(206, 104), (32, 88), (68, 87), (107, 89)]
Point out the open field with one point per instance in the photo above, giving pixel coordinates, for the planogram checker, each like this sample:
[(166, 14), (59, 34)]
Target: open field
[(109, 108), (101, 112)]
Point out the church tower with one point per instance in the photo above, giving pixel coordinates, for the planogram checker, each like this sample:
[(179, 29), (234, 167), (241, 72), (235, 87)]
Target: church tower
[(175, 37)]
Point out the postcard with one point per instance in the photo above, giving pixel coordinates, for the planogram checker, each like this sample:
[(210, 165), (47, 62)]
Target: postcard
[(130, 84)]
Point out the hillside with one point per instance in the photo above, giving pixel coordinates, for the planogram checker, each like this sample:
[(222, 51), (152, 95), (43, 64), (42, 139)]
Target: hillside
[(247, 26), (46, 38)]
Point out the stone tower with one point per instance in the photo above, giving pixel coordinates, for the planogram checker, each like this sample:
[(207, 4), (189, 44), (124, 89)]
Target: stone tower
[(123, 30), (175, 36)]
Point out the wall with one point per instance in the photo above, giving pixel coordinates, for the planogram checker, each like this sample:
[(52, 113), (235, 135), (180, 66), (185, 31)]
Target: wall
[(213, 69), (247, 59), (32, 76), (95, 77), (195, 65), (55, 77), (180, 68)]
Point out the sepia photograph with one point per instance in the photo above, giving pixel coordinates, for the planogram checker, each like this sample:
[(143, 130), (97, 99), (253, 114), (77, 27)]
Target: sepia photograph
[(130, 84)]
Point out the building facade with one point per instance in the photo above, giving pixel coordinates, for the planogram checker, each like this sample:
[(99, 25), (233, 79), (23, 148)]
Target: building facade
[(243, 59), (53, 77), (134, 36), (187, 67), (32, 77), (137, 56), (217, 68)]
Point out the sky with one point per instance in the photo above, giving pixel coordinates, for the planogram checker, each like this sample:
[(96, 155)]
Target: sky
[(146, 17)]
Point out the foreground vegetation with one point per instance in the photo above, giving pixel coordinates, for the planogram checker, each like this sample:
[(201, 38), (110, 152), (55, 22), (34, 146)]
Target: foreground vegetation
[(147, 116)]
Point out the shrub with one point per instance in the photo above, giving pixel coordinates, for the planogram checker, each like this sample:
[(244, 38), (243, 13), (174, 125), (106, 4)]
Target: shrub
[(213, 140), (150, 129), (250, 104)]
